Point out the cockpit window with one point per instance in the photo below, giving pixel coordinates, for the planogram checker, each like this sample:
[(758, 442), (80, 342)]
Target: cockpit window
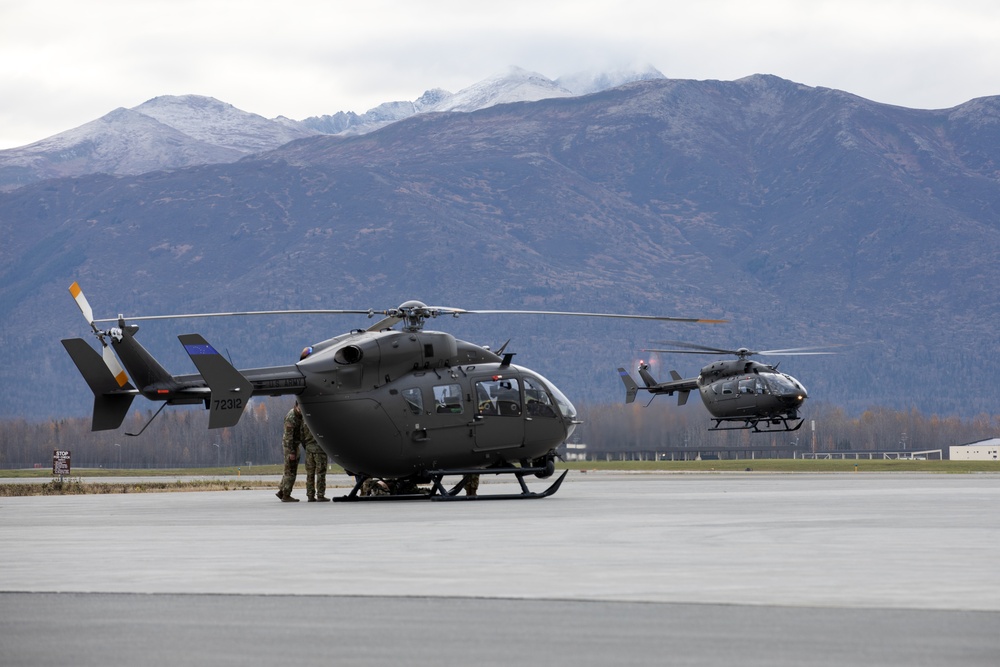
[(448, 399), (752, 385), (537, 401), (414, 400), (562, 404), (500, 396), (782, 384)]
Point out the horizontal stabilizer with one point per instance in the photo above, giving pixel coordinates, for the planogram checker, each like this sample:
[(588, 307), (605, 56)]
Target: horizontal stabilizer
[(111, 398), (231, 391), (682, 395)]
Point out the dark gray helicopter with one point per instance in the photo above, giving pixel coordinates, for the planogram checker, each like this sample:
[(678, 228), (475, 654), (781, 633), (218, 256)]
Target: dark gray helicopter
[(738, 393), (408, 405)]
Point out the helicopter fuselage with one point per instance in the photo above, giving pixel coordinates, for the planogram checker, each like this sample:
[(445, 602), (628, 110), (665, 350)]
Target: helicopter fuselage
[(397, 403), (737, 391), (739, 388)]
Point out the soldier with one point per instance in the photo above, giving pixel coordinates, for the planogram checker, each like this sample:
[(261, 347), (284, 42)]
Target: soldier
[(295, 434), (471, 485), (316, 461), (372, 486), (316, 464)]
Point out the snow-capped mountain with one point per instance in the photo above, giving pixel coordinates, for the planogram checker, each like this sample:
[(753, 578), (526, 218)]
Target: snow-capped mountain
[(590, 81), (171, 131), (213, 122), (164, 133), (514, 85), (348, 122), (123, 141)]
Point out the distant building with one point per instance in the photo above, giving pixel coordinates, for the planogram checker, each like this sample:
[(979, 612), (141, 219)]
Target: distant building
[(984, 450)]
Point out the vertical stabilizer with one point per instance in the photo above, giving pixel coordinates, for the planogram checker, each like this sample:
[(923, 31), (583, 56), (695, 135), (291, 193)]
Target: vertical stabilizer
[(231, 391), (631, 388), (111, 399)]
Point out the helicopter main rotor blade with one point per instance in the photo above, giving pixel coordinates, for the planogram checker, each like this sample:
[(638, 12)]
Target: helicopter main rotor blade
[(147, 318), (662, 351), (410, 309), (799, 351), (661, 318), (692, 348)]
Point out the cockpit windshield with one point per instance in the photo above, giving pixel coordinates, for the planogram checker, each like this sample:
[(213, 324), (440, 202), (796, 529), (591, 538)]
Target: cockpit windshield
[(566, 408), (782, 384)]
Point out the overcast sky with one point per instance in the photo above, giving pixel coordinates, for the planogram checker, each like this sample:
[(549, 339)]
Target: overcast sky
[(66, 62)]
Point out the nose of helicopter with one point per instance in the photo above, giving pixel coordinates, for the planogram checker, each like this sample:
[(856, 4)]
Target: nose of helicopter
[(789, 391)]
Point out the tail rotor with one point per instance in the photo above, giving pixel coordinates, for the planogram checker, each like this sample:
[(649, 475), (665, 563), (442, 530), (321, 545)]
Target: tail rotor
[(110, 360)]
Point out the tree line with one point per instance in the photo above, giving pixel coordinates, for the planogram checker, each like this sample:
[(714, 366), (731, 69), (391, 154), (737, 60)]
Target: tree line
[(177, 438), (180, 438), (663, 427)]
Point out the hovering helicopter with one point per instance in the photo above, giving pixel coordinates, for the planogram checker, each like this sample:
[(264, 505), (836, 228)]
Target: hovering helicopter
[(405, 405), (739, 393)]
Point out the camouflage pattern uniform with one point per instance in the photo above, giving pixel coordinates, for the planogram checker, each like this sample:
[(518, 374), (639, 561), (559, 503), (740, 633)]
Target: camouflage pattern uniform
[(316, 463), (471, 485), (373, 486), (290, 441)]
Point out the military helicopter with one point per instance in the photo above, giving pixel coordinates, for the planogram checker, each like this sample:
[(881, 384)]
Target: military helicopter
[(410, 406), (739, 393)]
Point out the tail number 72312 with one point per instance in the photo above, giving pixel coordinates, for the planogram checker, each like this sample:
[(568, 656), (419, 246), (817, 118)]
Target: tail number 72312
[(228, 404)]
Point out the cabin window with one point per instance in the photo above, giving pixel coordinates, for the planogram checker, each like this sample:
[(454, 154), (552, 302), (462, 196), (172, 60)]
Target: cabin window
[(414, 400), (537, 402), (728, 388), (498, 397), (448, 399), (748, 386)]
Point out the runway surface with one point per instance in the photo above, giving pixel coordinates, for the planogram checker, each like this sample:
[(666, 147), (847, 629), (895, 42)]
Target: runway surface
[(616, 568)]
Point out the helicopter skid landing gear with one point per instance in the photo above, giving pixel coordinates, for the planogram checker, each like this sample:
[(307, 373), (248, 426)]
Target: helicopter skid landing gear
[(438, 491), (760, 425)]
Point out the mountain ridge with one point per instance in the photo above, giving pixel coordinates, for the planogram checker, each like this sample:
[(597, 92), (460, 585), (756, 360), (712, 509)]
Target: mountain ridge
[(192, 129), (806, 216)]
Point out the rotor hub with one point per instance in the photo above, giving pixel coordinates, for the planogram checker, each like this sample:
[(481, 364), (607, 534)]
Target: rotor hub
[(413, 313)]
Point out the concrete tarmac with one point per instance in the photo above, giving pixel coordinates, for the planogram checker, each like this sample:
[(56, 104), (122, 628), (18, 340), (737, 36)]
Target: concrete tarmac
[(616, 568)]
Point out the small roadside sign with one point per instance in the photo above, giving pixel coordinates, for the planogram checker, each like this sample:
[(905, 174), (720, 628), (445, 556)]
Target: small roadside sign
[(60, 462)]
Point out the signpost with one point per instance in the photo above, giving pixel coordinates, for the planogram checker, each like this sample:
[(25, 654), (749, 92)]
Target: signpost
[(60, 463)]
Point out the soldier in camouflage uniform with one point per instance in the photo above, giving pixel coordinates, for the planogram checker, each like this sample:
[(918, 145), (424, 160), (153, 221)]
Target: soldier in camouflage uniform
[(471, 485), (294, 435), (316, 464), (372, 486)]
